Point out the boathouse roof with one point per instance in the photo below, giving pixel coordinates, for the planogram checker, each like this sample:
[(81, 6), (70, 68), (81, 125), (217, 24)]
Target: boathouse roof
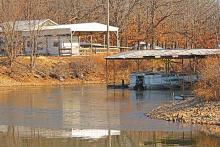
[(84, 27), (165, 54), (27, 25), (47, 24)]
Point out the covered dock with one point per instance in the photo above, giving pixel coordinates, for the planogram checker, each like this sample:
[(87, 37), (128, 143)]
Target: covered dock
[(87, 29), (192, 55), (164, 54), (46, 37)]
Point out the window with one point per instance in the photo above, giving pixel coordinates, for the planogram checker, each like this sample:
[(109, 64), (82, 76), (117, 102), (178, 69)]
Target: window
[(28, 44), (1, 40), (40, 46), (56, 44)]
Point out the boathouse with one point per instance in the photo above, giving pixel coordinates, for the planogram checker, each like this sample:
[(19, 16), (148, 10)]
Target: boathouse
[(162, 79), (50, 38)]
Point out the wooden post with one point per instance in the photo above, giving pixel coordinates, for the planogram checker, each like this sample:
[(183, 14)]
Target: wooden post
[(168, 64), (138, 64), (117, 39), (106, 71), (79, 40), (191, 72), (110, 139), (108, 35), (104, 41), (91, 41), (114, 72), (183, 88), (71, 41), (47, 46), (218, 24), (59, 47)]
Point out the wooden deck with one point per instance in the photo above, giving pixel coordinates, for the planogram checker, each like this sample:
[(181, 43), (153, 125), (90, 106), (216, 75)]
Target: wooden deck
[(86, 51)]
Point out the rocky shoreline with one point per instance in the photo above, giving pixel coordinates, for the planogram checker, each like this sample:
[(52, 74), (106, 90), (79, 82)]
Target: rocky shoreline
[(193, 111)]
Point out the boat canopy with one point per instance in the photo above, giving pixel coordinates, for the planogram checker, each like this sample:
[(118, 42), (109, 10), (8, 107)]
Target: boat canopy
[(84, 27), (165, 54)]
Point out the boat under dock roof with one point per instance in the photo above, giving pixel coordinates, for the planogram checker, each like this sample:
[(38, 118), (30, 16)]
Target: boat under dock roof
[(165, 54)]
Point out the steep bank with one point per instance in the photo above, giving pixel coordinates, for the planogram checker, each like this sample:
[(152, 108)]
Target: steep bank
[(53, 71), (193, 111)]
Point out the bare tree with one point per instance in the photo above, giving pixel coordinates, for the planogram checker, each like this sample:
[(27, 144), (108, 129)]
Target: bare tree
[(10, 14)]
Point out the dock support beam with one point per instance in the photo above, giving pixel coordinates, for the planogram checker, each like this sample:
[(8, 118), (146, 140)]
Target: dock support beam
[(183, 86), (106, 72), (114, 72), (118, 43), (71, 41), (104, 40)]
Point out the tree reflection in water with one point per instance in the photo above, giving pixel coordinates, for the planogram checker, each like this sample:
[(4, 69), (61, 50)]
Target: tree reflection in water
[(12, 136)]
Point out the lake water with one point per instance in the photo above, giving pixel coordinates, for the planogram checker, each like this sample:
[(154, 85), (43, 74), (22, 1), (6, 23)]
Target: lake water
[(81, 116)]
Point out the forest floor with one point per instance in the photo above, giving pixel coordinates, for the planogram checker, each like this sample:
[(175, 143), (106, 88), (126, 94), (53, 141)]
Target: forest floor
[(193, 111)]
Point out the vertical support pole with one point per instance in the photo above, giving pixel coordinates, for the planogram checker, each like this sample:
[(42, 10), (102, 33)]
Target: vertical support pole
[(108, 43), (183, 88), (114, 72), (195, 67), (168, 64), (182, 64), (79, 40), (106, 71), (190, 62), (110, 138), (71, 41), (47, 46), (218, 24), (59, 47), (91, 41), (24, 45), (104, 41), (138, 65), (118, 45)]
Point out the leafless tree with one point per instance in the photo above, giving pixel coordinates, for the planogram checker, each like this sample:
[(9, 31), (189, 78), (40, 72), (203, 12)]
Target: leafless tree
[(10, 13)]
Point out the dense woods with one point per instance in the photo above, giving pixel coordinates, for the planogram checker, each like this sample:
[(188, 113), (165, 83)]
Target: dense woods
[(170, 23)]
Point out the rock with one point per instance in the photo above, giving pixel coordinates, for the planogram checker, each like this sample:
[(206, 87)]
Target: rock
[(37, 76), (61, 79), (191, 110)]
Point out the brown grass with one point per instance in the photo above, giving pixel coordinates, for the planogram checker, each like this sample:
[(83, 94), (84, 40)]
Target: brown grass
[(209, 85)]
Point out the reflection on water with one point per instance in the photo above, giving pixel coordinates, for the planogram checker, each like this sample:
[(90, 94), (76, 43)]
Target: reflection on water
[(20, 136), (88, 107), (83, 116)]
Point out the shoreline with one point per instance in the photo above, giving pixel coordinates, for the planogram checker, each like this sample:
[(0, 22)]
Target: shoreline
[(52, 84), (10, 82), (191, 111)]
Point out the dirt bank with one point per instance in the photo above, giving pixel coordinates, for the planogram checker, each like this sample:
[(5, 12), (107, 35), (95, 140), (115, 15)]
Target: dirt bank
[(193, 111), (52, 71)]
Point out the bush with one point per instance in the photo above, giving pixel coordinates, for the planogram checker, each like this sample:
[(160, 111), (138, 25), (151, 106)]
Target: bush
[(83, 67), (209, 85)]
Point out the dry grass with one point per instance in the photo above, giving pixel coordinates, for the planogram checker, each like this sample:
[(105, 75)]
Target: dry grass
[(209, 85)]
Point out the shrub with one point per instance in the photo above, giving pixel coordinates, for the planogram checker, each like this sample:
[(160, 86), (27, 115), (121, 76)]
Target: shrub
[(209, 85)]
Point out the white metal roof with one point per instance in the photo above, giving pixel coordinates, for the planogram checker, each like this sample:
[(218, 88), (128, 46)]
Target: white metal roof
[(157, 54), (27, 25), (84, 27)]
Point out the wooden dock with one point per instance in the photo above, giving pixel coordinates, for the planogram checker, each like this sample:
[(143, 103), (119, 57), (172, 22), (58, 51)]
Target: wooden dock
[(114, 86)]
